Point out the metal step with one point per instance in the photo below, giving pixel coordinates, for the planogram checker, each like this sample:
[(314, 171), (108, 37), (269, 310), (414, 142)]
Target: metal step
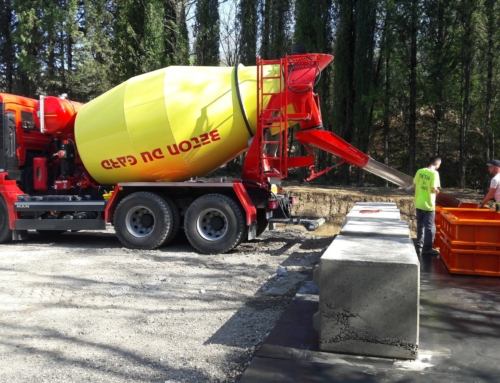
[(59, 224), (310, 223)]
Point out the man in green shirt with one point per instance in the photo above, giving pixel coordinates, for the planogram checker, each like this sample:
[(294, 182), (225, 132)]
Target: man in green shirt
[(426, 184)]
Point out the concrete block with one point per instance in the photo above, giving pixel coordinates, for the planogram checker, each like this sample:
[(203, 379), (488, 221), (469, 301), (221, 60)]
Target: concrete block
[(374, 205), (376, 228), (392, 215), (369, 297), (370, 216)]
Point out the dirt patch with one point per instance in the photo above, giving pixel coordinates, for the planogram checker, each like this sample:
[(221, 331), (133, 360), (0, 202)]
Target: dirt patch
[(335, 202)]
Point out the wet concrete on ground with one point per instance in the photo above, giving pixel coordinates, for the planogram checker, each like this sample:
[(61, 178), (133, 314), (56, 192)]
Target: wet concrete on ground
[(459, 338)]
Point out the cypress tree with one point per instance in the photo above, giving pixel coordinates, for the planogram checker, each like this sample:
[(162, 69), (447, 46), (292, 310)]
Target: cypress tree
[(343, 75), (276, 17), (7, 57), (94, 67), (149, 35), (27, 37), (176, 33), (128, 41), (154, 40), (248, 23), (313, 27), (206, 29)]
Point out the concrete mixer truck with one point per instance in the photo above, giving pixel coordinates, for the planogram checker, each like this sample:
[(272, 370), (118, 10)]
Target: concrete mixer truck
[(131, 157)]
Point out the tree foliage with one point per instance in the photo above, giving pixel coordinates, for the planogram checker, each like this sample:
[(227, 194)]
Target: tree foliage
[(206, 29), (410, 79), (276, 28), (248, 23)]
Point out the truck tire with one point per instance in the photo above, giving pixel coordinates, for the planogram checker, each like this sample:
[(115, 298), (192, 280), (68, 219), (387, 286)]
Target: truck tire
[(176, 220), (244, 236), (214, 224), (143, 220), (5, 232)]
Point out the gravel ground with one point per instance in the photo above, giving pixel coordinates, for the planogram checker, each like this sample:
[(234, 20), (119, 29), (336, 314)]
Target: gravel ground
[(81, 308)]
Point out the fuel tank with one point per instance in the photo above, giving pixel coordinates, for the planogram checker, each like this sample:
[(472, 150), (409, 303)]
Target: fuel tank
[(59, 115), (171, 124)]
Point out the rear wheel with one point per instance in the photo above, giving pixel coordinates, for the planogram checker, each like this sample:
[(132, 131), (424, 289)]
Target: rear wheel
[(5, 232), (214, 224), (175, 222), (143, 220)]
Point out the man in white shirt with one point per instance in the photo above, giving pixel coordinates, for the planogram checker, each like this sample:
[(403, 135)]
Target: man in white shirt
[(494, 169)]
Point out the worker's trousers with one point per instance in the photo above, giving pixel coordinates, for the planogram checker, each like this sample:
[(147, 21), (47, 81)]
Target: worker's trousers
[(426, 229)]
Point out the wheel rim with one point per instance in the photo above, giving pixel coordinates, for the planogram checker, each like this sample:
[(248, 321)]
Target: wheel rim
[(212, 224), (140, 221)]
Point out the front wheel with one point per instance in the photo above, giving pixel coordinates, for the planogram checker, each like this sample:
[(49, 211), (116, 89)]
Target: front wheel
[(143, 220), (5, 232), (214, 224)]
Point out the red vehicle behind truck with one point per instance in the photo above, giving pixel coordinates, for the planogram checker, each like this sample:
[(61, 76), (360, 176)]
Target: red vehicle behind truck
[(57, 175)]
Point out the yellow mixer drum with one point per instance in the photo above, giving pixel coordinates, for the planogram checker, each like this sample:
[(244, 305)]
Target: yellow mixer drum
[(170, 124)]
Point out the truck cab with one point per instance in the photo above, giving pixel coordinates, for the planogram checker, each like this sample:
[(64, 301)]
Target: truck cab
[(20, 139)]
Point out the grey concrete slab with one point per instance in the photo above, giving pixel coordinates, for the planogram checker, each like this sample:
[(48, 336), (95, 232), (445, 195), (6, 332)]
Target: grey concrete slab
[(459, 326), (369, 297), (372, 250), (378, 204), (385, 206), (270, 370), (376, 228), (370, 215), (368, 210)]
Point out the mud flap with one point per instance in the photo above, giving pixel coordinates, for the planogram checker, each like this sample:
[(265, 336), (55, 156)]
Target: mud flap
[(19, 235)]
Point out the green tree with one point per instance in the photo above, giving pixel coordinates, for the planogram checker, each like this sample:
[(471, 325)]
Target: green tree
[(407, 20), (343, 75), (440, 59), (6, 46), (364, 74), (248, 24), (27, 37), (154, 41), (276, 18), (386, 56), (491, 54), (128, 38), (176, 33), (148, 35), (94, 62), (466, 20), (313, 27), (206, 29), (355, 73)]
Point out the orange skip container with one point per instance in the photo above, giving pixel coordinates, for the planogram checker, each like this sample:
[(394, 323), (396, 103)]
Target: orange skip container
[(439, 209), (469, 241)]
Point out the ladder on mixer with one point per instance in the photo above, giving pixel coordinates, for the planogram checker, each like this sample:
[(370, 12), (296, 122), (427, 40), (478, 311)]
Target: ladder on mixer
[(272, 117)]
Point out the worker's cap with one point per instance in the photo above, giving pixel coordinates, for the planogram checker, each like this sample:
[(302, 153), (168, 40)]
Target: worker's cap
[(494, 163)]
